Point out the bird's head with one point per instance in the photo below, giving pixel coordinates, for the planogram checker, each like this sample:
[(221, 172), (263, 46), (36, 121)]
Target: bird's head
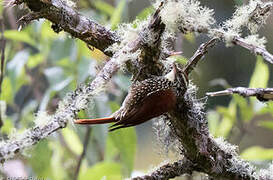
[(177, 76)]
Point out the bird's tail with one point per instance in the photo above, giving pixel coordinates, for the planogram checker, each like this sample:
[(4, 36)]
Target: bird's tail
[(95, 121)]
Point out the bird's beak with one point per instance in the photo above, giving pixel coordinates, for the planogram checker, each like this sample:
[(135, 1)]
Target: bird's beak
[(171, 75)]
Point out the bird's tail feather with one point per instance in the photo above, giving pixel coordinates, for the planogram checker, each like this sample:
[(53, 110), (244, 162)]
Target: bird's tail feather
[(95, 121)]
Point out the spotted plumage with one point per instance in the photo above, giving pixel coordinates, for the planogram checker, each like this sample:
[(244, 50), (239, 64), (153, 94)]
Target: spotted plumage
[(146, 99)]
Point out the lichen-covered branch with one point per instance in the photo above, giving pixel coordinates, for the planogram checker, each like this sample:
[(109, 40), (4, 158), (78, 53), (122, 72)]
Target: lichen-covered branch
[(67, 110), (68, 19), (254, 48), (199, 54), (143, 54), (78, 100), (170, 170), (262, 94)]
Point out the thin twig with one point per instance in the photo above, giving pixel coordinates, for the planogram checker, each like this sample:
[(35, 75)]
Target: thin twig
[(255, 49), (3, 46), (67, 111), (262, 94), (71, 105), (199, 54), (85, 144)]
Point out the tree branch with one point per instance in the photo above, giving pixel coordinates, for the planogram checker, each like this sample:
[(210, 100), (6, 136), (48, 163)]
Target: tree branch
[(66, 18), (85, 144), (67, 110), (199, 54), (255, 49), (262, 94), (170, 170), (187, 121), (79, 99), (3, 47)]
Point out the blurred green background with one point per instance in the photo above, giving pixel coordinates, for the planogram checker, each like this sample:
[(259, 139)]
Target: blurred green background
[(41, 67)]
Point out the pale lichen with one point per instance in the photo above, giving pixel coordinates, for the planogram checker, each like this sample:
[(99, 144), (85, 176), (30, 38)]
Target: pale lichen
[(255, 40), (187, 15), (42, 118), (265, 174)]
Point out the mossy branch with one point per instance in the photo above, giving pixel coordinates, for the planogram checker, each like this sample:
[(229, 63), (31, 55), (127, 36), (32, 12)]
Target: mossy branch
[(187, 122)]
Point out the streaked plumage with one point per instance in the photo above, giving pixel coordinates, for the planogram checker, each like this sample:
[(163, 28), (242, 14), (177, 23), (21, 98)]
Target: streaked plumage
[(146, 99)]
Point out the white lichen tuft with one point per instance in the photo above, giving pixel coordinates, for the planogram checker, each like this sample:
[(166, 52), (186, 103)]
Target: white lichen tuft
[(255, 40), (165, 137), (42, 118), (226, 147), (70, 3), (3, 109), (237, 164), (186, 15), (265, 174), (129, 33), (8, 3), (250, 16)]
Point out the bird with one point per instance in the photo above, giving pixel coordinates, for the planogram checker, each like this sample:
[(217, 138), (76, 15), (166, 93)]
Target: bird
[(146, 99)]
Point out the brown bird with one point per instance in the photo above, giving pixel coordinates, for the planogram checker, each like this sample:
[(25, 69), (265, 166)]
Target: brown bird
[(146, 99)]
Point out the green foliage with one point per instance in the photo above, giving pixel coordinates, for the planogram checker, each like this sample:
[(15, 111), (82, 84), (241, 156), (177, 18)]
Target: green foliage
[(102, 170), (266, 124), (241, 112), (124, 141), (257, 153), (41, 68), (228, 118), (7, 94), (23, 36), (104, 7), (260, 75), (72, 140), (145, 13), (40, 159), (117, 14)]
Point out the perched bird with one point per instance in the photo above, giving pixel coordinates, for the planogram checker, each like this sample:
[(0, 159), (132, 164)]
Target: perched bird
[(146, 99)]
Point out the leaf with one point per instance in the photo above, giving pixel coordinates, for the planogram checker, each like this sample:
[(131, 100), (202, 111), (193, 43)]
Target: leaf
[(190, 37), (245, 109), (114, 106), (103, 170), (260, 76), (7, 91), (116, 17), (18, 61), (35, 60), (104, 7), (125, 141), (111, 151), (7, 127), (267, 109), (40, 159), (57, 166), (47, 33), (61, 48), (266, 124), (256, 153), (145, 13), (213, 119), (19, 36), (229, 116), (72, 140)]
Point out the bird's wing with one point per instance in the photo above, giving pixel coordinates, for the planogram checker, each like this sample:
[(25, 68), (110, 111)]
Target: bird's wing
[(153, 105)]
